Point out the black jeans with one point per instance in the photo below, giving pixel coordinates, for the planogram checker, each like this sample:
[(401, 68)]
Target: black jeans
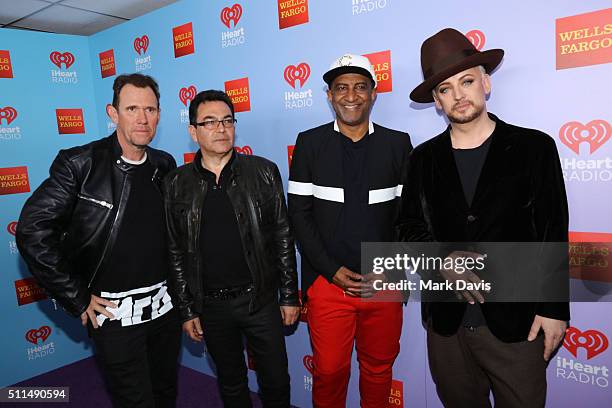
[(140, 362), (225, 322)]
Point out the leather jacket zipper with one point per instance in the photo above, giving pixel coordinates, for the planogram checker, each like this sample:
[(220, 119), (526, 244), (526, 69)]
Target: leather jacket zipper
[(124, 188), (156, 182), (99, 202)]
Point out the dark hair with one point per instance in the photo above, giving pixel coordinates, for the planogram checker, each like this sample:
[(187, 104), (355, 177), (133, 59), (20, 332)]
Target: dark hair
[(138, 80), (209, 95)]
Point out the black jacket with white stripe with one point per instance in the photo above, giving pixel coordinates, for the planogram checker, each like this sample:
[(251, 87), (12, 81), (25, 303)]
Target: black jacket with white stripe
[(316, 194)]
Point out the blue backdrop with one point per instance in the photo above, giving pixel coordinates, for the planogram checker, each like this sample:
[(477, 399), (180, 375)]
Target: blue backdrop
[(543, 83)]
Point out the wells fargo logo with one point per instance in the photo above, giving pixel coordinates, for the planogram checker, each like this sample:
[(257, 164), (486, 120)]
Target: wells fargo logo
[(107, 63), (396, 396), (8, 114), (28, 291), (231, 14), (141, 44), (12, 228), (238, 91), (183, 40), (188, 157), (58, 58), (595, 134), (590, 256), (309, 363), (585, 39), (292, 12), (186, 95), (593, 341), (381, 62), (290, 153), (299, 73), (6, 68), (246, 149), (42, 333), (70, 121), (477, 38), (14, 180)]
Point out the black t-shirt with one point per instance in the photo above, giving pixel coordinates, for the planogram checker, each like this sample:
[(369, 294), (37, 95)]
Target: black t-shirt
[(222, 255), (139, 257), (469, 165), (352, 227)]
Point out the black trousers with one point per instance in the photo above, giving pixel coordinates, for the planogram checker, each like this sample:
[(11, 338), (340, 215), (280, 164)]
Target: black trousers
[(225, 322), (469, 365), (140, 362)]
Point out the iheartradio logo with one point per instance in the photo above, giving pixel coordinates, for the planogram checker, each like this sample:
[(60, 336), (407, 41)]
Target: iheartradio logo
[(244, 150), (12, 228), (477, 38), (231, 14), (301, 73), (8, 113), (187, 94), (309, 364), (593, 341), (141, 44), (595, 133), (65, 58), (42, 332)]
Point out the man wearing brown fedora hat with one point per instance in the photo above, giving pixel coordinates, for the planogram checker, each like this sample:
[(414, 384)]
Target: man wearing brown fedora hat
[(483, 180), (344, 187)]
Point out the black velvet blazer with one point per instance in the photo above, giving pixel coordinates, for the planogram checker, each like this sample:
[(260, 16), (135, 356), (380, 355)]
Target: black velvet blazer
[(520, 197)]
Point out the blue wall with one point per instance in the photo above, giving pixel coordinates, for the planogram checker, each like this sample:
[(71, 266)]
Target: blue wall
[(527, 90)]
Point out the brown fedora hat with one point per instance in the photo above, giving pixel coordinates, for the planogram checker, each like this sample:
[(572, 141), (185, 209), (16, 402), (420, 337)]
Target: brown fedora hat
[(447, 53)]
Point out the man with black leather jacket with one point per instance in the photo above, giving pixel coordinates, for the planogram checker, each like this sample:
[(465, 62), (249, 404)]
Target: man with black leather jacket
[(93, 234), (232, 255)]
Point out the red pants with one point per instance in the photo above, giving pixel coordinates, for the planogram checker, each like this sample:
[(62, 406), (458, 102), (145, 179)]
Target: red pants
[(335, 320)]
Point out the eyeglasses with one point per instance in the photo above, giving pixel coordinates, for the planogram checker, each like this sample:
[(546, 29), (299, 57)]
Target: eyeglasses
[(214, 123)]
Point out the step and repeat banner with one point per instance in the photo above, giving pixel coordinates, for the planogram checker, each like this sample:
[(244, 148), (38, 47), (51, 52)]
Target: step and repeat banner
[(46, 104), (269, 56)]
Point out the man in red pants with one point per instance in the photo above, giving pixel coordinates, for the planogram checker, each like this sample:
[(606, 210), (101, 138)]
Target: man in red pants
[(344, 184)]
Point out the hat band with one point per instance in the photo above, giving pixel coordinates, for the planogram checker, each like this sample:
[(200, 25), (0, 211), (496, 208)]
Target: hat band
[(444, 63)]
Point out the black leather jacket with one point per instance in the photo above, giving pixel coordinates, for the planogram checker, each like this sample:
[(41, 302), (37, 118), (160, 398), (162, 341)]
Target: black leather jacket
[(67, 228), (256, 193)]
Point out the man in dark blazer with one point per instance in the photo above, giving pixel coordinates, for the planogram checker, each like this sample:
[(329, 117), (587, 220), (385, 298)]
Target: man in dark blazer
[(344, 187), (483, 180)]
